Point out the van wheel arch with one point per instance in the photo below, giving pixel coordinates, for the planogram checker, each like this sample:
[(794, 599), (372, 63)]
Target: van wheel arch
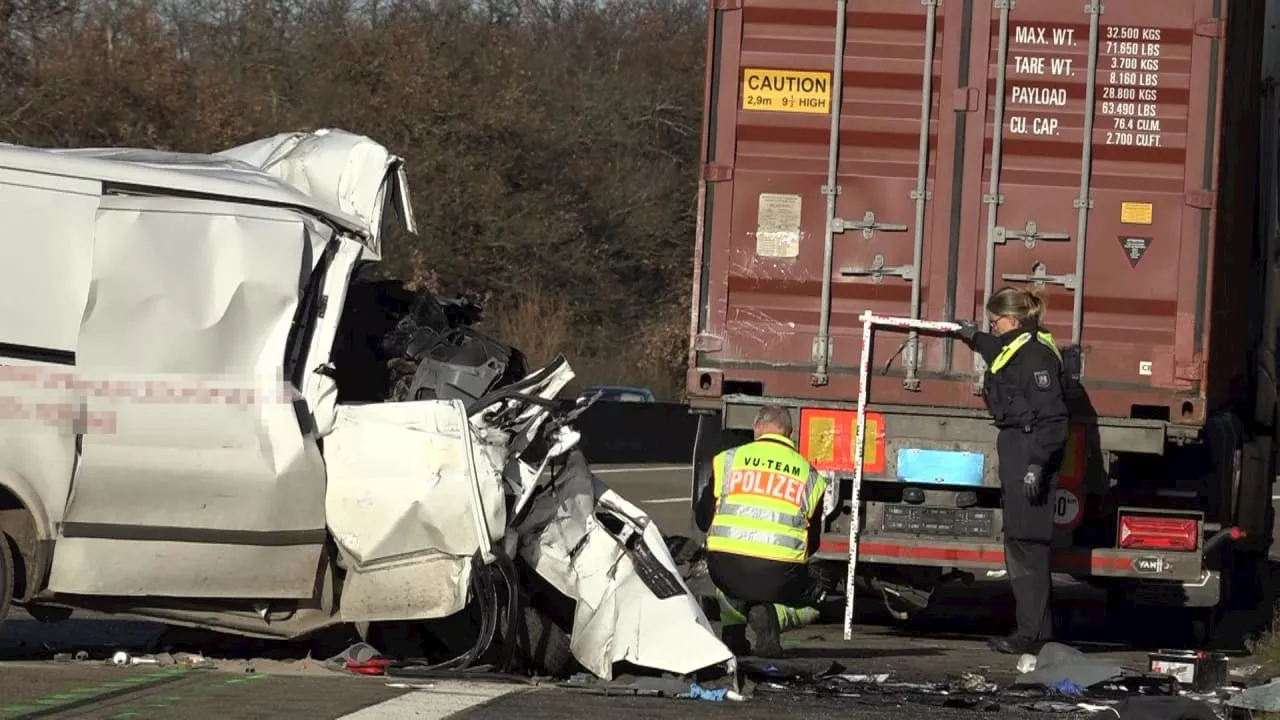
[(23, 552)]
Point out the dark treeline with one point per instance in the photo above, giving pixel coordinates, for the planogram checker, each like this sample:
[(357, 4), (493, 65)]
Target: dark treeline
[(552, 144)]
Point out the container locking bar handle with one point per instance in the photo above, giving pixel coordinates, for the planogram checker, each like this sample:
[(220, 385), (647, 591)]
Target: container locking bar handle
[(822, 343)]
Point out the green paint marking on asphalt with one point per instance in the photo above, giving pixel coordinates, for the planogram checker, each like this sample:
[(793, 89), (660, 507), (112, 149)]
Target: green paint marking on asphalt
[(82, 694)]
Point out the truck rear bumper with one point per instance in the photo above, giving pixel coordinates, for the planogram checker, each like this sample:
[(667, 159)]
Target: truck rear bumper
[(1181, 567)]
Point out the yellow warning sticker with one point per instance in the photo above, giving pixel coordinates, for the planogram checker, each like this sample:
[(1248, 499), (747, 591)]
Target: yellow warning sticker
[(1135, 213), (786, 91)]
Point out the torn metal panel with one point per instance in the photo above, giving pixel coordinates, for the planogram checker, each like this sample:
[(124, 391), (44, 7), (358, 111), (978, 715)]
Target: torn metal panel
[(409, 506), (348, 171), (600, 550), (154, 172), (319, 382)]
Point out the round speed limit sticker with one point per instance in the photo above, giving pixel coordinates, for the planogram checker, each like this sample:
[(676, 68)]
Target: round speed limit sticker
[(1066, 507)]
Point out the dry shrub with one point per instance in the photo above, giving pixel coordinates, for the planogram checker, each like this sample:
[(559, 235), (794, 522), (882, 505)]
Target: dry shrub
[(1264, 649), (660, 353), (539, 323)]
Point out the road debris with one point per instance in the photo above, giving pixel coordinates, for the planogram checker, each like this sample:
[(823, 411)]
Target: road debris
[(1264, 697), (1194, 669), (1057, 663), (1156, 708)]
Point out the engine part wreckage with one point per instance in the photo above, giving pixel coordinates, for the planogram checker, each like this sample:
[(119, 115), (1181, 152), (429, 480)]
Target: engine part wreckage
[(201, 427)]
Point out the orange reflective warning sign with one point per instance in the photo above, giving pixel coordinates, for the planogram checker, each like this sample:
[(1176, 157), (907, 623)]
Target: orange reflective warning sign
[(827, 440), (1071, 473)]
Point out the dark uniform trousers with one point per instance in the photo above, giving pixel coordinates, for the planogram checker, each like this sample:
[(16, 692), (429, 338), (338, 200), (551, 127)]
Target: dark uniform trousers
[(1023, 390), (1028, 530)]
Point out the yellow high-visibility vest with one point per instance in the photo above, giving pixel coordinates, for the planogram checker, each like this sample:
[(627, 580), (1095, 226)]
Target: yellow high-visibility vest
[(1007, 353), (765, 492)]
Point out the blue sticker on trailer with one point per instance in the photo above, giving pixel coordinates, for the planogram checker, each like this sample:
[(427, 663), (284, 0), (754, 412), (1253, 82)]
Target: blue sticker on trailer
[(940, 467)]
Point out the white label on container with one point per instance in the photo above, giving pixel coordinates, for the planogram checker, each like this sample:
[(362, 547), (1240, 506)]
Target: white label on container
[(778, 226)]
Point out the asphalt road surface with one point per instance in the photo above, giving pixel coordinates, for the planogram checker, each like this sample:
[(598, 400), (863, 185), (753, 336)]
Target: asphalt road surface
[(40, 677)]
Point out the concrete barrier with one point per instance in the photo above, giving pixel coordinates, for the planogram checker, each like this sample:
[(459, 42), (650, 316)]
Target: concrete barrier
[(628, 432)]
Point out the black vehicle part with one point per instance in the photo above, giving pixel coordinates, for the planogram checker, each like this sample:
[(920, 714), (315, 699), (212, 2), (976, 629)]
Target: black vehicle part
[(449, 371), (660, 581), (451, 359), (388, 333), (541, 643), (485, 591), (7, 566)]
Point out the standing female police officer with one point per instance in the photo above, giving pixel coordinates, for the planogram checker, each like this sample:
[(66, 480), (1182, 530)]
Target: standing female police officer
[(1023, 391)]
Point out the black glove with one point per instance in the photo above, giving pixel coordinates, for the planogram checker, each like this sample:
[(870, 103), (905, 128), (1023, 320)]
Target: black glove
[(1033, 485), (967, 330)]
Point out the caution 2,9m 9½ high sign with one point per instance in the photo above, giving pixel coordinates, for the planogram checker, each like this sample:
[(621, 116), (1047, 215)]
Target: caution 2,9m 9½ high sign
[(799, 91)]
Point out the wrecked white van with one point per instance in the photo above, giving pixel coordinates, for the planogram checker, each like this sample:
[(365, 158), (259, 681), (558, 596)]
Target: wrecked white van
[(174, 442)]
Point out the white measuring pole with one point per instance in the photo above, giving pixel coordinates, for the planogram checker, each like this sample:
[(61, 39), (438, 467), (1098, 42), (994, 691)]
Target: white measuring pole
[(869, 322)]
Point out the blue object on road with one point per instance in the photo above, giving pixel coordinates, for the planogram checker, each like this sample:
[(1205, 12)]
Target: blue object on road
[(1066, 687), (940, 467), (697, 692)]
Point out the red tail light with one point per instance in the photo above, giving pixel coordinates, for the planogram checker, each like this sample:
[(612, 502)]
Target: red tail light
[(1145, 532)]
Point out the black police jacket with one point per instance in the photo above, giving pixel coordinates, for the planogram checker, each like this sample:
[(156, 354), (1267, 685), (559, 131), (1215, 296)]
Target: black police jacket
[(1024, 390)]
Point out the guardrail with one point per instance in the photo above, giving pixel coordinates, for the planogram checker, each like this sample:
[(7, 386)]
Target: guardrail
[(630, 432)]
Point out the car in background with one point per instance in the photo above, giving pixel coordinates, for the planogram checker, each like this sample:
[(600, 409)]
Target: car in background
[(617, 393)]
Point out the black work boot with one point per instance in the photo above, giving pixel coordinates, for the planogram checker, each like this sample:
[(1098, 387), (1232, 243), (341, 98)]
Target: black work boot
[(762, 622), (1014, 645)]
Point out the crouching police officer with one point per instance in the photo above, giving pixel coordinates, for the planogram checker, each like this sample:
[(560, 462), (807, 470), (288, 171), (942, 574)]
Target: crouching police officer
[(762, 514), (1023, 389)]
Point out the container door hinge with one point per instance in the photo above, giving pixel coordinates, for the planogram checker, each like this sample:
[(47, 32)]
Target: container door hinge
[(706, 342), (1213, 28), (712, 172), (1201, 199), (1193, 370), (968, 99)]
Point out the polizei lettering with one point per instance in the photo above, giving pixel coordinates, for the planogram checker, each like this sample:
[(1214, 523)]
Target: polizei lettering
[(766, 484), (1038, 96), (786, 83)]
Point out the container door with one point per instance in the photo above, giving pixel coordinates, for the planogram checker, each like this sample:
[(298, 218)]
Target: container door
[(1094, 170), (806, 256)]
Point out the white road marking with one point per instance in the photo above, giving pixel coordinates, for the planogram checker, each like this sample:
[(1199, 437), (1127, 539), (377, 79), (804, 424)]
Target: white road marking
[(643, 468), (446, 698), (665, 501)]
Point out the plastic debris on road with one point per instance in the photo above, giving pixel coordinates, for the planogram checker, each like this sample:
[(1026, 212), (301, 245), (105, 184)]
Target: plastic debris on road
[(1156, 708), (1066, 687), (1261, 697)]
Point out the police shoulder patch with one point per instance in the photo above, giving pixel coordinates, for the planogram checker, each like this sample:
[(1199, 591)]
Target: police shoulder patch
[(1042, 379)]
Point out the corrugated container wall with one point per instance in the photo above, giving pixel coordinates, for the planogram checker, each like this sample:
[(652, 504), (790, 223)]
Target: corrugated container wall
[(1126, 196)]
